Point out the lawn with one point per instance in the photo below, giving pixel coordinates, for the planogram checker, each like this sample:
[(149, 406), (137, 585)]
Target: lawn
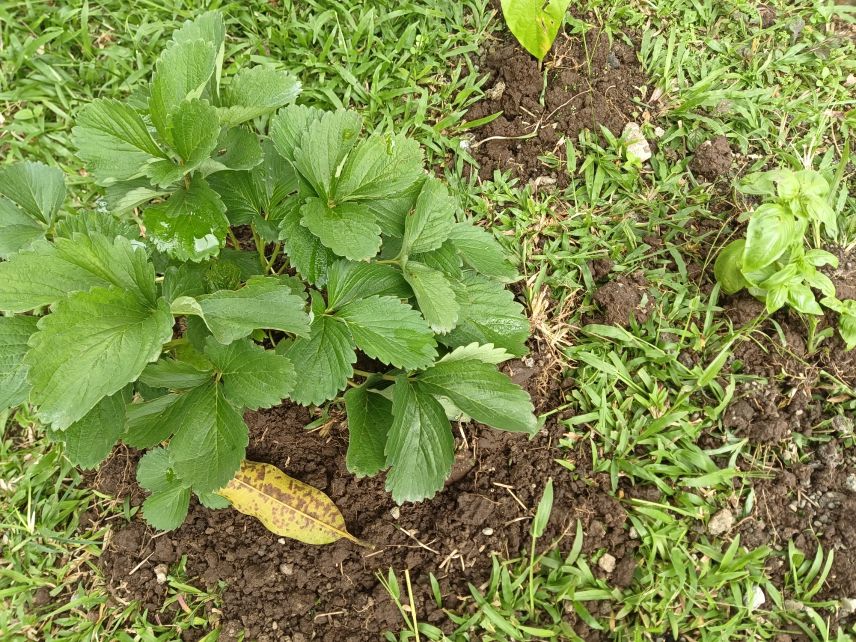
[(693, 474)]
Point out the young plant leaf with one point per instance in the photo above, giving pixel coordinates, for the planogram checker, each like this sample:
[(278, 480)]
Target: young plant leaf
[(325, 359), (263, 302), (285, 506), (252, 376), (728, 267), (191, 225), (369, 420), (210, 441), (91, 346), (770, 232), (391, 331), (482, 392), (434, 295), (15, 332), (542, 514), (535, 23), (420, 449), (37, 189), (195, 130)]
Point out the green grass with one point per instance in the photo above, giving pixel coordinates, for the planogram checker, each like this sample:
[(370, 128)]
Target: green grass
[(782, 94)]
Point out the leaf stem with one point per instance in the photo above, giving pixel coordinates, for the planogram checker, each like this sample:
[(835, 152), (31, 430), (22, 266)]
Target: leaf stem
[(260, 248), (235, 242)]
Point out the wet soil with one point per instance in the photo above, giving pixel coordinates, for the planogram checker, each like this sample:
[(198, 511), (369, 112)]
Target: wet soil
[(590, 83), (810, 495), (624, 300), (279, 589)]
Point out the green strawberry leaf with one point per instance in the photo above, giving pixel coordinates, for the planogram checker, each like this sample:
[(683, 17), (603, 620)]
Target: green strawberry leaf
[(113, 141), (348, 229), (380, 167), (150, 422), (89, 440), (390, 331), (264, 302), (37, 189), (191, 225), (305, 251), (482, 392), (434, 295), (174, 374), (18, 230), (252, 377), (488, 314), (195, 131), (432, 220), (349, 281), (15, 332), (91, 346), (325, 359), (255, 92), (209, 444), (167, 509), (288, 127), (182, 72), (420, 449), (324, 145), (481, 251), (369, 420), (47, 272)]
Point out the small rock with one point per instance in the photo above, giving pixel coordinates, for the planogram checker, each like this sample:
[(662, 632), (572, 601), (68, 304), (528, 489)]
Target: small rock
[(495, 92), (161, 571), (487, 531), (721, 523), (794, 606), (612, 60), (793, 507), (286, 569), (842, 425), (637, 146), (758, 598), (281, 540), (632, 533), (848, 606), (395, 511), (607, 563), (850, 483)]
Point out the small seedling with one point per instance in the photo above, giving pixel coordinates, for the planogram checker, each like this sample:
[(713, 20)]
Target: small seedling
[(535, 23), (773, 262)]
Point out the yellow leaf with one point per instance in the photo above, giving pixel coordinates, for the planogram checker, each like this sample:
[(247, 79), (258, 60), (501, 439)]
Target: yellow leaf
[(286, 506)]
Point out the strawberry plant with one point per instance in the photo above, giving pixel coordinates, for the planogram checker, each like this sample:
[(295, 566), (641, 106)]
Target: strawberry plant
[(249, 250), (773, 262)]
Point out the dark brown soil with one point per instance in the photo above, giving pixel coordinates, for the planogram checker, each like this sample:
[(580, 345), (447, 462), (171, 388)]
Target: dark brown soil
[(590, 83), (278, 588), (624, 299), (712, 159), (806, 500)]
